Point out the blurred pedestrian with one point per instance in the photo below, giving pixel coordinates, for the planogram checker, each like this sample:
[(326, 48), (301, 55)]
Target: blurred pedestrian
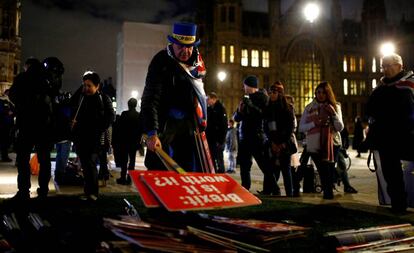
[(6, 125), (130, 132), (358, 135), (216, 130), (231, 146)]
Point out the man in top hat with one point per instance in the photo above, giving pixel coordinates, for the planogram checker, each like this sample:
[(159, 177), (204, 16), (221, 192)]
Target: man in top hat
[(174, 102), (250, 114), (390, 109)]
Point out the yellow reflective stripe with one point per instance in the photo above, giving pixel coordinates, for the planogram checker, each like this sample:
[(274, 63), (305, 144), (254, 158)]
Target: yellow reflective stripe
[(184, 38)]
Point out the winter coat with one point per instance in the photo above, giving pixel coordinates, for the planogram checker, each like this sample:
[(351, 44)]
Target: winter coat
[(95, 115), (250, 114), (216, 123), (390, 109), (168, 93)]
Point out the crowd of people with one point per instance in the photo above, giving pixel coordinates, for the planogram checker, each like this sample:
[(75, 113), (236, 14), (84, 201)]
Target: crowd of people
[(193, 128)]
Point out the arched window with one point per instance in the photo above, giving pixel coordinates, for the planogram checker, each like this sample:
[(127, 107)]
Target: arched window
[(304, 72)]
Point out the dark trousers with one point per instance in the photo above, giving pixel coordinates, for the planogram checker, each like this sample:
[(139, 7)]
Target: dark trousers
[(393, 175), (5, 141), (326, 173), (103, 163), (88, 156), (279, 164), (125, 152), (24, 147), (249, 149), (216, 151)]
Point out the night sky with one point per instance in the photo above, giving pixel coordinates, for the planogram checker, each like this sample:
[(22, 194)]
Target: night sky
[(83, 33)]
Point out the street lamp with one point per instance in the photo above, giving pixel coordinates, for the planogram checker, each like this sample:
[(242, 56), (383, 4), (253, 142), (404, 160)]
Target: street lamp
[(387, 48), (311, 12), (134, 94), (221, 75)]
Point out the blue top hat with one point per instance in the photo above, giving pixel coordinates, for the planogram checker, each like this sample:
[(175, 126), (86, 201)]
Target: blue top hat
[(184, 34)]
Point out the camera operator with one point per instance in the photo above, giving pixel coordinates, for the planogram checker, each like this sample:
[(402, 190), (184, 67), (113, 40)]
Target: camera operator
[(251, 135)]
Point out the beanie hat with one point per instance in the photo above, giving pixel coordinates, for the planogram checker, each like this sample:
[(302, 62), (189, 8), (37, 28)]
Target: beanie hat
[(251, 81)]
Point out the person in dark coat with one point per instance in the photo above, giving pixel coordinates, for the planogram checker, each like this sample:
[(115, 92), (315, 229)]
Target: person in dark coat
[(174, 103), (250, 114), (390, 109), (216, 130), (129, 127), (358, 135), (279, 127), (92, 114), (32, 94), (6, 125)]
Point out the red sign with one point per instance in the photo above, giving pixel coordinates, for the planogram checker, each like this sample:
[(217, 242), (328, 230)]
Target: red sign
[(148, 198), (195, 191)]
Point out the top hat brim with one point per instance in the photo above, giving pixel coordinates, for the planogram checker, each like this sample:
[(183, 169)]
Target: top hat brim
[(173, 40)]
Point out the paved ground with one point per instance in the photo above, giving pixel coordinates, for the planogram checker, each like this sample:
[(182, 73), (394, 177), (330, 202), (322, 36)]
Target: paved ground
[(361, 178)]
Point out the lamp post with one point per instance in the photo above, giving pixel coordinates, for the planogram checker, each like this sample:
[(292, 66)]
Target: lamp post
[(311, 13), (221, 75), (387, 48)]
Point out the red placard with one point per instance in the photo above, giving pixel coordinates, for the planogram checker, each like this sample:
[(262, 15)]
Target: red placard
[(148, 198), (197, 191)]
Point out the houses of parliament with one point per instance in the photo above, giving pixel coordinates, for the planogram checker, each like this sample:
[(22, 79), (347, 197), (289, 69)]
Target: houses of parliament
[(286, 47)]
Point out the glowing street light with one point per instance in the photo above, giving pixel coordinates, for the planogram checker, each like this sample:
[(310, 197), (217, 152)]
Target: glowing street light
[(387, 48), (134, 94), (221, 75), (311, 12)]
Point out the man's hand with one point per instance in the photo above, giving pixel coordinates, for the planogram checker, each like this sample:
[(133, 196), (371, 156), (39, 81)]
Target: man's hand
[(153, 142)]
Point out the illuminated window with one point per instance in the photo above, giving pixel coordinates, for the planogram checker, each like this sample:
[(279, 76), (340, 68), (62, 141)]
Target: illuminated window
[(345, 86), (345, 64), (353, 87), (304, 71), (265, 59), (352, 64), (361, 64), (255, 58), (374, 65), (231, 54), (374, 83), (223, 54), (362, 88), (244, 57)]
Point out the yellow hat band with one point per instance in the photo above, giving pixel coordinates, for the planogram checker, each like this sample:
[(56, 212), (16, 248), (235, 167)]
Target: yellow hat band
[(184, 38)]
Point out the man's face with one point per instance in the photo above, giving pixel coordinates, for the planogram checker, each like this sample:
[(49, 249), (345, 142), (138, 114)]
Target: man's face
[(183, 53), (89, 88), (211, 101), (390, 68), (248, 89)]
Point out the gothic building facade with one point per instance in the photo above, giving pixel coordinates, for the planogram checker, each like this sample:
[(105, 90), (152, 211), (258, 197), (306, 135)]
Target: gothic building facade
[(284, 46), (10, 42)]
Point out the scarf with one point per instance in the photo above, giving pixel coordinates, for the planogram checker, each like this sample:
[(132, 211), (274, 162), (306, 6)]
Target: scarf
[(196, 70), (325, 132)]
